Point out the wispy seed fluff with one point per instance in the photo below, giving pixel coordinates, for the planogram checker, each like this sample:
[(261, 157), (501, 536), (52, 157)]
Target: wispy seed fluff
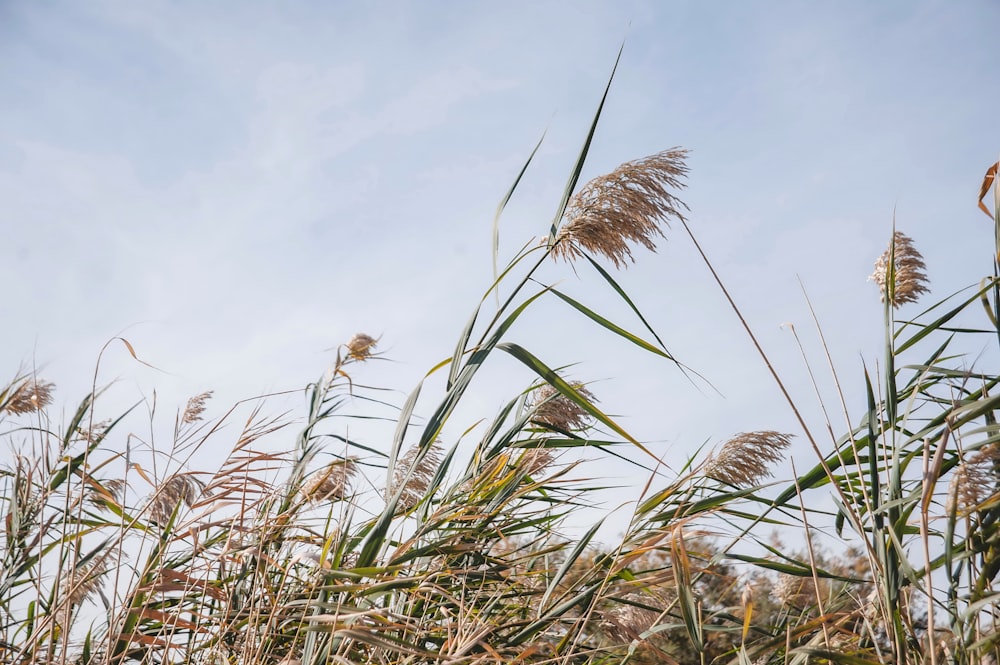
[(178, 488), (361, 346), (555, 410), (84, 581), (908, 269), (195, 408), (976, 479), (795, 591), (630, 618), (745, 460), (331, 483), (413, 473), (626, 206), (32, 395), (107, 494)]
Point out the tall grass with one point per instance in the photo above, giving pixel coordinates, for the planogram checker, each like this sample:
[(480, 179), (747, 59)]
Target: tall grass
[(448, 550)]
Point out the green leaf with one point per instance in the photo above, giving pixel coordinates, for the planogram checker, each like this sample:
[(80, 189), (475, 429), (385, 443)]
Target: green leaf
[(578, 167), (618, 330), (503, 204)]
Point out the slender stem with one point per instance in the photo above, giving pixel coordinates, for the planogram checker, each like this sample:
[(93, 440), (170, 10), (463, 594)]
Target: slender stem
[(753, 338)]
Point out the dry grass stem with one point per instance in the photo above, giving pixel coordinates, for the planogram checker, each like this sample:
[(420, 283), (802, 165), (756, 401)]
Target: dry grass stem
[(906, 280), (746, 459), (629, 205), (32, 395), (331, 483), (361, 346), (555, 410)]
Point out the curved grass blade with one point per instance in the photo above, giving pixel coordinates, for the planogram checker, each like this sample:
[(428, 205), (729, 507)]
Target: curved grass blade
[(503, 204), (927, 329), (567, 565), (618, 330), (578, 168)]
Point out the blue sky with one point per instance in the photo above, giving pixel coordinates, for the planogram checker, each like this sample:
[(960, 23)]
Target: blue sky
[(236, 188)]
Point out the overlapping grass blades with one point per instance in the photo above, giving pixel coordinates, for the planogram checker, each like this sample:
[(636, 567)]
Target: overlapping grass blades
[(452, 543)]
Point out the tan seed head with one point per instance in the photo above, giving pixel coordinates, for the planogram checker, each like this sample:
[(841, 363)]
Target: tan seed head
[(625, 207), (331, 483), (975, 480), (905, 280), (361, 346), (557, 411), (413, 474), (180, 488), (32, 395), (195, 408), (746, 459)]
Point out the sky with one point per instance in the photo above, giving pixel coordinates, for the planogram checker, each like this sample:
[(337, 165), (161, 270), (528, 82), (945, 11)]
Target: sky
[(237, 188)]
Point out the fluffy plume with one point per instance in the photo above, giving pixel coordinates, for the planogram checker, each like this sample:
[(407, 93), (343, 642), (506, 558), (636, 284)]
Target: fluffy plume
[(745, 460), (361, 346), (178, 488), (535, 460), (32, 395), (976, 479), (97, 431), (85, 580), (413, 475), (909, 281), (631, 617), (195, 408), (627, 206), (107, 493), (331, 483), (795, 591), (555, 410)]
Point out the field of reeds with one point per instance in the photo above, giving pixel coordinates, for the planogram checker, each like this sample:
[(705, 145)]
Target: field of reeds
[(430, 550)]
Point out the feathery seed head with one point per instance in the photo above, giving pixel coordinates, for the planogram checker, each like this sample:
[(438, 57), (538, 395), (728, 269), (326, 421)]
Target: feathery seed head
[(413, 473), (630, 618), (195, 407), (107, 493), (976, 479), (178, 488), (361, 346), (745, 460), (84, 581), (626, 206), (331, 483), (795, 591), (905, 280), (534, 460), (95, 432), (32, 395), (555, 410)]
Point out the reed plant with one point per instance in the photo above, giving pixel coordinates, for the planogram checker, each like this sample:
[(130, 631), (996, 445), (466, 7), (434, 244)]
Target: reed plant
[(306, 545)]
